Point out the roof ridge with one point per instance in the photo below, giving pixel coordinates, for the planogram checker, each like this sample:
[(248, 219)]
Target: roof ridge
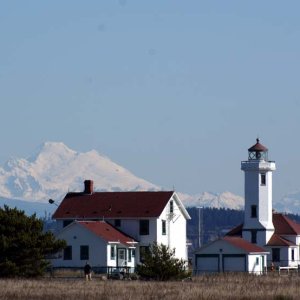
[(291, 223)]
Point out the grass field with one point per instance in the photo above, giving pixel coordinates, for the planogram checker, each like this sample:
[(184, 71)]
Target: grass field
[(224, 286)]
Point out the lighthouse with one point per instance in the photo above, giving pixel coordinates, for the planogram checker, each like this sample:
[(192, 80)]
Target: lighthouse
[(258, 226)]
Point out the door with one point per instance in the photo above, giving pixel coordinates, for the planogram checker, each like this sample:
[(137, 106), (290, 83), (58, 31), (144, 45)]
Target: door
[(121, 257), (207, 264), (234, 263)]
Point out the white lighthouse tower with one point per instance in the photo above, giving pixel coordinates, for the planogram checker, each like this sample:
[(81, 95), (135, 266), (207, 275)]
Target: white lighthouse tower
[(258, 226)]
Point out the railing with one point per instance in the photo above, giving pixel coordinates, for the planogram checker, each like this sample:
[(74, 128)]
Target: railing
[(77, 272)]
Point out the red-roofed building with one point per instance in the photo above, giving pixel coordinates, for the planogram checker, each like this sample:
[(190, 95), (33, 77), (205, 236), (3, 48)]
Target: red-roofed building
[(284, 243), (263, 232), (125, 222), (97, 242), (230, 254)]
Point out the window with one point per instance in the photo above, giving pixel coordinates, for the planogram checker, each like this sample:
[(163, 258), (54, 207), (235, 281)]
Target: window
[(276, 254), (121, 253), (129, 255), (171, 206), (257, 261), (253, 211), (293, 254), (253, 236), (143, 251), (67, 222), (118, 223), (163, 227), (263, 179), (112, 252), (68, 253), (133, 252), (144, 227), (84, 252)]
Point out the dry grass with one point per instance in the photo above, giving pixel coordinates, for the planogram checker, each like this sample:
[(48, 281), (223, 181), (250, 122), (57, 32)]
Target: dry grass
[(205, 287)]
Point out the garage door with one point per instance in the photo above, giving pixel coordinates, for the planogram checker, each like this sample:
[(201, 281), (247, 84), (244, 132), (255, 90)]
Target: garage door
[(207, 264), (234, 263)]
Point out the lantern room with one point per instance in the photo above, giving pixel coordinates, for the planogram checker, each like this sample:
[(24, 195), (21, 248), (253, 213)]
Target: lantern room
[(258, 152)]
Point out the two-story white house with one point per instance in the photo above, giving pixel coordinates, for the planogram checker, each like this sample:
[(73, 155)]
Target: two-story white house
[(113, 229)]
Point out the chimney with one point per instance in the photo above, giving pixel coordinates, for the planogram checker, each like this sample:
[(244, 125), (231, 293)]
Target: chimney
[(88, 186)]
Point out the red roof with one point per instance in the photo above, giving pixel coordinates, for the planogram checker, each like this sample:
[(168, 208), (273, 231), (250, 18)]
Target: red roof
[(107, 232), (243, 244), (277, 240), (112, 205), (284, 225), (236, 231), (258, 147)]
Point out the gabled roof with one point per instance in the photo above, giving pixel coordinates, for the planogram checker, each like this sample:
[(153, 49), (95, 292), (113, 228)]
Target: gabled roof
[(115, 205), (284, 225), (243, 244), (107, 232), (277, 240), (236, 231)]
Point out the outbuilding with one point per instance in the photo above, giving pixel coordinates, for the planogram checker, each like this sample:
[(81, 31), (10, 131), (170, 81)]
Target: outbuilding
[(231, 254)]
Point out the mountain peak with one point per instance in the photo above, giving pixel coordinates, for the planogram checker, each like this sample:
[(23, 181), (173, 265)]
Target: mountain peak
[(51, 148), (55, 169)]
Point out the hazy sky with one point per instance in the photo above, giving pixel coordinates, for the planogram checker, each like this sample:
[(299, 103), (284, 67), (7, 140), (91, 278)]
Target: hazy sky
[(175, 91)]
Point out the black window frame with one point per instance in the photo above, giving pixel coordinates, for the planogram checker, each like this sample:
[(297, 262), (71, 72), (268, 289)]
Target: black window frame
[(129, 255), (84, 252), (263, 179), (171, 206), (112, 252), (253, 236), (253, 211), (163, 227), (276, 254), (68, 253), (144, 227)]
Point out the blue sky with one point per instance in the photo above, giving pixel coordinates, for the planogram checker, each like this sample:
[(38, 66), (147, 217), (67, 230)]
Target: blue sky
[(175, 91)]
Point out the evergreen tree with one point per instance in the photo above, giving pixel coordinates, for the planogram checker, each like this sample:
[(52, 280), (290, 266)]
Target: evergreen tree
[(159, 263), (23, 244)]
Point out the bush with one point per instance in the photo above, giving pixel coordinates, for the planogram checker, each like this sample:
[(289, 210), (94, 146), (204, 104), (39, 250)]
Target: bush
[(160, 263)]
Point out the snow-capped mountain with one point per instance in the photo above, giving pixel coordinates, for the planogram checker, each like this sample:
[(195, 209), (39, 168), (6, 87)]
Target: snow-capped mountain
[(290, 203), (55, 169), (225, 200)]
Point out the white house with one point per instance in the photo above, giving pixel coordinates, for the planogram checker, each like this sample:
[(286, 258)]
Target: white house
[(87, 239), (274, 232), (140, 218), (231, 254)]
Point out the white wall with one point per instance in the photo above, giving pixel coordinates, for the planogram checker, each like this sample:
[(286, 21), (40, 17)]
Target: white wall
[(257, 263), (236, 262), (76, 235)]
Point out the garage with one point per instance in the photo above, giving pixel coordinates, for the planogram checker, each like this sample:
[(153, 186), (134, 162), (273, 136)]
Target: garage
[(207, 263), (230, 254), (234, 263)]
